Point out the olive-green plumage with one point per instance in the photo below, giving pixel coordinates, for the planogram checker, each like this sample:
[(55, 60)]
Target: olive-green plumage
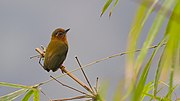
[(56, 51)]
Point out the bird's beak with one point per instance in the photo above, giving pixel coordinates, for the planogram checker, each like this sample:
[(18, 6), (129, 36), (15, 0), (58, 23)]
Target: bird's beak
[(67, 30), (64, 33)]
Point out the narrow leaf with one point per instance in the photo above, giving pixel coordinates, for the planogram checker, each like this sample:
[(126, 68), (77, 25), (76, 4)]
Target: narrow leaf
[(158, 98), (108, 2), (13, 95), (173, 31), (170, 93), (103, 90), (141, 17), (148, 87), (140, 86), (36, 95), (14, 85), (169, 53), (115, 3), (118, 93), (158, 22), (28, 95), (157, 76)]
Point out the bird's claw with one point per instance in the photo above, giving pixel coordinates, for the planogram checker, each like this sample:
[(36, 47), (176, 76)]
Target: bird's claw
[(62, 69)]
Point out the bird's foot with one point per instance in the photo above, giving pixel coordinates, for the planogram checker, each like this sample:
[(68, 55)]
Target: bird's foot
[(62, 69)]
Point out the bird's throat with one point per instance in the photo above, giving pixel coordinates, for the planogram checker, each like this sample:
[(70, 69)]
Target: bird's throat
[(60, 38)]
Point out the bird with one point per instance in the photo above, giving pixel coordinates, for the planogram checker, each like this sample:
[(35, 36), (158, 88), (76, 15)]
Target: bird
[(57, 50)]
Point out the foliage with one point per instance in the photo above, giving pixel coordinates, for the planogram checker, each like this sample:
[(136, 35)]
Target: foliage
[(23, 89), (136, 86), (169, 59)]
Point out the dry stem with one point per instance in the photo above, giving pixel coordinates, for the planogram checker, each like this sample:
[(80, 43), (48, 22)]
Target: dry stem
[(73, 98), (84, 74), (77, 80), (69, 86), (97, 61), (42, 53)]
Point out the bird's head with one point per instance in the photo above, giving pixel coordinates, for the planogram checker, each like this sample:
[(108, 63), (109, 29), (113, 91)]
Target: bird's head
[(59, 33)]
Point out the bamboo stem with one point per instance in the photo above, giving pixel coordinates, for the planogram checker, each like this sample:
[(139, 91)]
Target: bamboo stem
[(84, 74), (69, 86), (73, 98), (99, 60), (42, 53), (77, 80)]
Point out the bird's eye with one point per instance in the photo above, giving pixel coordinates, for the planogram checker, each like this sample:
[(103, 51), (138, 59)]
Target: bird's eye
[(58, 33)]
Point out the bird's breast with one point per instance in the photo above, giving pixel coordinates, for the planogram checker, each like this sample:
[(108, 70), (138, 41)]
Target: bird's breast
[(55, 54)]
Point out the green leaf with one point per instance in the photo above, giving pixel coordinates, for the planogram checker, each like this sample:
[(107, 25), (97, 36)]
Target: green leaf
[(36, 95), (148, 87), (172, 49), (103, 91), (170, 93), (116, 2), (118, 92), (13, 95), (170, 53), (108, 2), (158, 22), (14, 85), (140, 86), (28, 95), (141, 17), (158, 98), (157, 76)]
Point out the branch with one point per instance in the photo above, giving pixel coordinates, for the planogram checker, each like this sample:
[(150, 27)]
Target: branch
[(77, 80), (97, 61), (69, 86), (84, 73), (73, 98), (42, 53)]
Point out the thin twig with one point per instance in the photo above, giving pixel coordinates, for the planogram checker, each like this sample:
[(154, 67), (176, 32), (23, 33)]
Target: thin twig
[(84, 73), (96, 88), (69, 86), (73, 98), (43, 48), (97, 61), (38, 56), (40, 52), (77, 80), (45, 95)]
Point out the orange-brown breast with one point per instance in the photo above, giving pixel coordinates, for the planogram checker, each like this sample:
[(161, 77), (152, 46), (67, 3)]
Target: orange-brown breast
[(62, 38)]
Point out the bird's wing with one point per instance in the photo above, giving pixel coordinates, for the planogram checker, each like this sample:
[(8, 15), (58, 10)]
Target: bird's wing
[(55, 55)]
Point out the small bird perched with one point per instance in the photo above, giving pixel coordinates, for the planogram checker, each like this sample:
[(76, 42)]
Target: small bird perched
[(56, 51)]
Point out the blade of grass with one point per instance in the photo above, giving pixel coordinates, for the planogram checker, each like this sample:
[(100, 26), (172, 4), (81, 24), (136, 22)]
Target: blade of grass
[(148, 87), (157, 76), (108, 2), (171, 48), (140, 86), (115, 3), (118, 93), (152, 96), (169, 94), (36, 95), (133, 37), (158, 22), (173, 30), (13, 95), (14, 85), (28, 95), (171, 78), (142, 15), (103, 90)]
